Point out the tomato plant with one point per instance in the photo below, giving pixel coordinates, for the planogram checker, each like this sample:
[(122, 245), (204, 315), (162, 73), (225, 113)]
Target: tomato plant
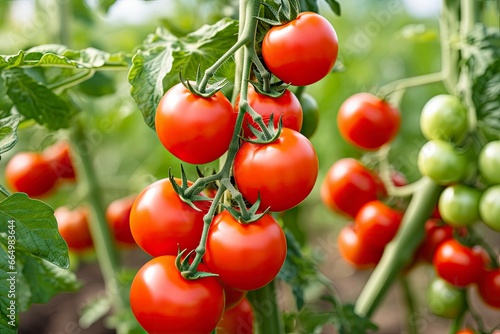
[(310, 111), (435, 234), (59, 157), (74, 228), (118, 217), (440, 161), (195, 129), (281, 173), (489, 162), (489, 207), (358, 253), (444, 299), (262, 244), (165, 302), (302, 51), (489, 288), (459, 205), (367, 121)]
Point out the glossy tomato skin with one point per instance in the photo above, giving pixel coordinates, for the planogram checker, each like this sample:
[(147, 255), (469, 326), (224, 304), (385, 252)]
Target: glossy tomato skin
[(489, 288), (368, 122), (118, 218), (74, 228), (445, 300), (302, 51), (237, 320), (195, 129), (161, 222), (310, 111), (245, 256), (489, 162), (30, 173), (282, 172), (440, 161), (377, 223), (353, 250), (59, 157), (459, 205), (164, 302), (348, 185), (489, 207), (287, 106), (435, 234), (457, 264), (444, 117)]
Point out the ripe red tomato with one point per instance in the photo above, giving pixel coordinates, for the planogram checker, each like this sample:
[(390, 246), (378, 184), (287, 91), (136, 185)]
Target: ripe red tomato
[(232, 296), (466, 331), (368, 122), (283, 172), (302, 51), (436, 233), (348, 186), (59, 157), (489, 288), (164, 302), (195, 129), (458, 264), (287, 106), (118, 217), (377, 224), (30, 173), (245, 256), (238, 320), (161, 222), (356, 252), (74, 228)]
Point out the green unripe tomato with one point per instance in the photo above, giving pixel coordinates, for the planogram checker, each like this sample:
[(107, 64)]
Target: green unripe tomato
[(489, 207), (459, 205), (440, 161), (489, 162), (310, 113), (445, 118), (445, 300)]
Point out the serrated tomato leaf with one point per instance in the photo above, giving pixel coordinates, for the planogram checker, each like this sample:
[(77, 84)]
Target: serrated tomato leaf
[(9, 304), (35, 228), (8, 133), (335, 6), (157, 62)]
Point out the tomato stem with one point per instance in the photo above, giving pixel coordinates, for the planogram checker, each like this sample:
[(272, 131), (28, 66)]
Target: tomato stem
[(4, 191), (264, 303), (410, 304), (400, 250)]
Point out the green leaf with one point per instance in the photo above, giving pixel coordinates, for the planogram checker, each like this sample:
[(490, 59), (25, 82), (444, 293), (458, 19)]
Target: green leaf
[(158, 61), (309, 6), (5, 102), (335, 6), (350, 322), (35, 228), (297, 270), (8, 133), (94, 310), (125, 323), (45, 280), (35, 101), (105, 4), (8, 294)]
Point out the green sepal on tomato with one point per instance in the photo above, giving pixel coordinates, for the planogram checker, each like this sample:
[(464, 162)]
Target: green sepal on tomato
[(245, 256), (281, 173), (164, 302), (367, 121)]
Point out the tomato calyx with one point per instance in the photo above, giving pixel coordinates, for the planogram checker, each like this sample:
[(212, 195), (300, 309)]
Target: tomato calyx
[(275, 89), (267, 133), (244, 215), (182, 263), (181, 190), (199, 88), (287, 11)]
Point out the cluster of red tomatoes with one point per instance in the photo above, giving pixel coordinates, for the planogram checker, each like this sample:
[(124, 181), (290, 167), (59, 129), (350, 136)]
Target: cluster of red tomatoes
[(37, 174), (279, 174)]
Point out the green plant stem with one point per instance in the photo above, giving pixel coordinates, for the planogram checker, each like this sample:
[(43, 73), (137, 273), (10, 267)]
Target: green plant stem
[(405, 83), (448, 26), (72, 81), (399, 252), (107, 258), (411, 312), (456, 324), (4, 191), (264, 302)]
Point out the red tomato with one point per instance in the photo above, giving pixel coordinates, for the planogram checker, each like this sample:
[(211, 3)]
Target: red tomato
[(353, 250), (59, 157), (74, 228), (287, 106), (489, 288), (164, 302), (195, 129), (118, 217), (232, 296), (458, 264), (30, 173), (377, 224), (367, 121), (161, 222), (238, 320), (245, 256), (282, 172), (348, 186), (302, 51), (466, 331), (436, 233)]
